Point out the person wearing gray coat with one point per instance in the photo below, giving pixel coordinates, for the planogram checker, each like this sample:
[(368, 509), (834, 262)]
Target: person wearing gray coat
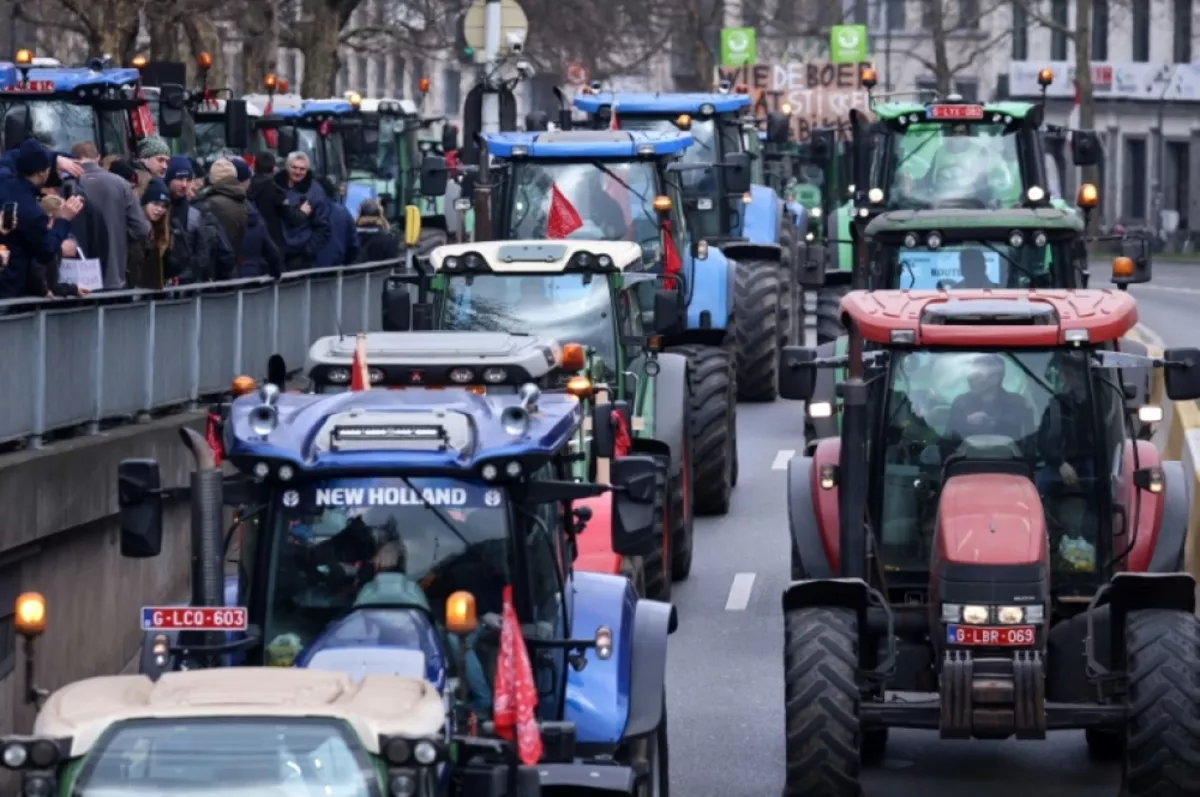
[(113, 196)]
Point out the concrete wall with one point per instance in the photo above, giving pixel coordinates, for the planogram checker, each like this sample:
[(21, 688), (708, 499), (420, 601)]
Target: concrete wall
[(59, 536)]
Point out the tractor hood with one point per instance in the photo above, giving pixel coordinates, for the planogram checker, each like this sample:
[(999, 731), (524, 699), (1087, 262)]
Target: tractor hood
[(991, 519)]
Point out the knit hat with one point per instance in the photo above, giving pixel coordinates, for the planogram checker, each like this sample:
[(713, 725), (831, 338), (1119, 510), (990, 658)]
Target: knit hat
[(32, 158), (222, 171), (156, 191), (180, 168), (153, 147), (243, 170), (198, 169)]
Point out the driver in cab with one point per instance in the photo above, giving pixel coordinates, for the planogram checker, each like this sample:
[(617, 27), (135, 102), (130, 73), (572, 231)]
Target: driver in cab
[(988, 408), (973, 267), (958, 169)]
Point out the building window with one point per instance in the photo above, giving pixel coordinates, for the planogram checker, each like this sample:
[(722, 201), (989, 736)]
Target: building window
[(1099, 30), (1175, 189), (1058, 36), (381, 77), (452, 93), (1183, 31), (291, 68), (968, 14), (343, 80), (1134, 178), (1141, 31), (418, 73), (1020, 34), (398, 65), (895, 14), (9, 589), (927, 14), (363, 67), (861, 12)]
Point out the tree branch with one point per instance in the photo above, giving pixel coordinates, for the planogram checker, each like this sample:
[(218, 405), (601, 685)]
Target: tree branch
[(1045, 21)]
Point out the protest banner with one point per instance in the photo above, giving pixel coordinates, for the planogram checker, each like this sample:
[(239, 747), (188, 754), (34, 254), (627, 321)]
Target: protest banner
[(819, 93)]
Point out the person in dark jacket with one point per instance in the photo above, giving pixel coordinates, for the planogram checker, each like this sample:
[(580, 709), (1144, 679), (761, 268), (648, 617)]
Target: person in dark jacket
[(226, 201), (343, 242), (306, 240), (375, 239), (89, 232), (45, 279), (159, 260), (187, 224), (271, 200), (259, 254), (33, 237)]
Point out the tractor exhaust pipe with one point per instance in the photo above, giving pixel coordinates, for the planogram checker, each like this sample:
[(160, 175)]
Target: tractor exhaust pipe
[(208, 583), (852, 466)]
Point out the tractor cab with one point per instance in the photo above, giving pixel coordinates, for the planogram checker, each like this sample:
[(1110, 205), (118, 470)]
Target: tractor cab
[(985, 516), (289, 124), (215, 125), (381, 150), (60, 105)]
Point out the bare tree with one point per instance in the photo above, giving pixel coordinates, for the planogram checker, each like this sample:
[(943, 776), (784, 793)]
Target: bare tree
[(696, 26), (314, 27), (957, 38), (566, 31)]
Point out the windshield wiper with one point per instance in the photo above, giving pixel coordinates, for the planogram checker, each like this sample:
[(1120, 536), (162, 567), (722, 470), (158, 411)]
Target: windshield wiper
[(917, 149), (468, 547), (622, 183), (1009, 260)]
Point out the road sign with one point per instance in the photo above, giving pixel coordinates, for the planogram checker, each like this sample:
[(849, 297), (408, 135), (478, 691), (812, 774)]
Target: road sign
[(739, 46), (577, 74), (848, 44), (513, 27)]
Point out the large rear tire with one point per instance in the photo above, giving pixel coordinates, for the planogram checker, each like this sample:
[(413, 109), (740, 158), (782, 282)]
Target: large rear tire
[(682, 512), (756, 300), (1162, 736), (829, 317), (820, 661), (711, 423), (657, 563)]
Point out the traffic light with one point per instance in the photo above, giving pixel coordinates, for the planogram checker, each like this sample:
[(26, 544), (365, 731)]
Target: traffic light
[(468, 54)]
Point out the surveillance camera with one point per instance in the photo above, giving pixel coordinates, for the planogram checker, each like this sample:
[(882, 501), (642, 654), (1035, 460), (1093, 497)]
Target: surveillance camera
[(524, 68), (515, 40)]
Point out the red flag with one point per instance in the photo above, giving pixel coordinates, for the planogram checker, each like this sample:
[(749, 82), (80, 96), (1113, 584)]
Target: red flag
[(621, 441), (213, 435), (672, 264), (612, 119), (563, 218), (359, 379), (514, 696), (270, 134)]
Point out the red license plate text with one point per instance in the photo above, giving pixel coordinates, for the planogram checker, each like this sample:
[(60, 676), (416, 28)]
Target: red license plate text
[(956, 112), (194, 618), (1012, 636)]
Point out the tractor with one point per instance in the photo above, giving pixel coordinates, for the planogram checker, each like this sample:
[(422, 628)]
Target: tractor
[(215, 125), (988, 537), (395, 532), (725, 209), (615, 185), (591, 297)]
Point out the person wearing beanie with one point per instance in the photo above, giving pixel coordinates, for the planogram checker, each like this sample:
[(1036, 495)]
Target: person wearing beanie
[(225, 202), (198, 172), (187, 223), (126, 170), (159, 260), (375, 240), (153, 155), (87, 235), (118, 208), (34, 237), (243, 172)]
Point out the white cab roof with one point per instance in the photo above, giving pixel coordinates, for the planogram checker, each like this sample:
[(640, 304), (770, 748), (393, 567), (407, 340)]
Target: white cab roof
[(539, 257), (407, 107), (388, 705), (432, 349)]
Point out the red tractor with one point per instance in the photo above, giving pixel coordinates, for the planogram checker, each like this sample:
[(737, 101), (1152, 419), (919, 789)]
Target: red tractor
[(988, 533)]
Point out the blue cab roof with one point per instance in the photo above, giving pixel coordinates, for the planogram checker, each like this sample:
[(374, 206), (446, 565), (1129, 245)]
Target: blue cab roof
[(568, 144), (69, 78), (303, 416), (326, 106), (662, 103)]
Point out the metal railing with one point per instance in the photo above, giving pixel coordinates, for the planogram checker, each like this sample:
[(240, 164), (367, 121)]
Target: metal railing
[(119, 355)]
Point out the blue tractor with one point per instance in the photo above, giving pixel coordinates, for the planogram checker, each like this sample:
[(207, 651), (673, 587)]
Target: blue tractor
[(748, 222), (379, 531), (617, 185)]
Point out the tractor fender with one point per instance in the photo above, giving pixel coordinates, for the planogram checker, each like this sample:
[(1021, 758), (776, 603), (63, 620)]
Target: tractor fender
[(597, 697), (844, 593), (1132, 592), (671, 400), (710, 299), (652, 623), (1149, 520), (825, 502), (1169, 548), (760, 219), (754, 251), (593, 545), (809, 560)]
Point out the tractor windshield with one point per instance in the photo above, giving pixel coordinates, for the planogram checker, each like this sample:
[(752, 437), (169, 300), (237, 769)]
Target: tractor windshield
[(569, 308), (326, 154), (341, 544), (980, 264), (58, 125), (227, 756), (954, 166), (701, 187), (210, 141), (1041, 408), (584, 201)]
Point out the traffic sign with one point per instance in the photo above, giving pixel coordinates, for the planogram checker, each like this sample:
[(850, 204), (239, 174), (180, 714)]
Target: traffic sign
[(739, 46), (513, 27), (848, 44), (577, 74)]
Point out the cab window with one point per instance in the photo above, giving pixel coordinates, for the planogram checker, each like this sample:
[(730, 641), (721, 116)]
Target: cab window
[(542, 559), (114, 132), (630, 315)]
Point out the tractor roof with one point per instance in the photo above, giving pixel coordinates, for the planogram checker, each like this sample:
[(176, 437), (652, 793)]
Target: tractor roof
[(67, 78), (387, 105), (429, 432), (991, 318), (943, 220), (894, 110), (332, 107), (636, 103), (536, 257), (375, 706), (575, 144), (499, 357)]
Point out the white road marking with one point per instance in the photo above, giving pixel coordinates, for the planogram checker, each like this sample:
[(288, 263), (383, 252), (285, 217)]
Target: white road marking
[(739, 592), (782, 459)]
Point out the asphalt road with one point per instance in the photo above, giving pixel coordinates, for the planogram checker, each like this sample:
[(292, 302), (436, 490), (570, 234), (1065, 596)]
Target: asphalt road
[(726, 660)]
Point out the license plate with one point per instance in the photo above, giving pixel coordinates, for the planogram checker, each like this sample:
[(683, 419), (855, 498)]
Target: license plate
[(1011, 636)]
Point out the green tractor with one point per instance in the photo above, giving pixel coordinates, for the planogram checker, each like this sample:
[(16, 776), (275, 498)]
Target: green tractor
[(597, 298)]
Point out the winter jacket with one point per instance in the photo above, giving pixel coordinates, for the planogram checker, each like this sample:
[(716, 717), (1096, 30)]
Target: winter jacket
[(342, 242), (376, 244), (227, 203), (271, 199), (195, 257), (259, 254), (123, 219), (32, 241), (151, 271), (91, 235), (306, 237)]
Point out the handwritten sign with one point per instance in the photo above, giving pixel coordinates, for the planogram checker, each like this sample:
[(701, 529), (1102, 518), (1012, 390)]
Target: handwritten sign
[(819, 93)]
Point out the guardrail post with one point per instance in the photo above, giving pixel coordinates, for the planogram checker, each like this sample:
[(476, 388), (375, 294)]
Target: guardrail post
[(366, 304), (194, 388), (98, 395), (275, 318), (148, 401), (308, 336), (237, 333), (39, 383), (337, 307)]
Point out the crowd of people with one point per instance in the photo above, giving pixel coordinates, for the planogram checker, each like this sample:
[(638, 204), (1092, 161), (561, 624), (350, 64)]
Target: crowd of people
[(159, 220)]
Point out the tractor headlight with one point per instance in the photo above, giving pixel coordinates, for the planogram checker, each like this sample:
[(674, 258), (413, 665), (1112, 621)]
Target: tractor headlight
[(957, 613), (1010, 615)]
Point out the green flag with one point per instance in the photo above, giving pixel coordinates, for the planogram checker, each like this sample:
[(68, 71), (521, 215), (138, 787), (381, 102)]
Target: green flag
[(738, 46), (848, 44)]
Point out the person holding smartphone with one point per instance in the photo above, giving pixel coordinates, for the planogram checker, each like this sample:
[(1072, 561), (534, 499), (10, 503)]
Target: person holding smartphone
[(34, 237)]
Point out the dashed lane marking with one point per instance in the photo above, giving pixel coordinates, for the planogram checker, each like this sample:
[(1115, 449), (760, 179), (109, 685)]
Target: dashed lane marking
[(782, 459), (739, 592)]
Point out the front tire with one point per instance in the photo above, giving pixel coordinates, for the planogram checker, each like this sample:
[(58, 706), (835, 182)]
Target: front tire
[(657, 563), (712, 419), (682, 512), (1162, 736), (829, 313), (657, 752), (757, 331), (820, 663)]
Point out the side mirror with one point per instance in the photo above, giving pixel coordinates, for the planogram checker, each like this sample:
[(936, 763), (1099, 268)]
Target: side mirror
[(434, 176), (237, 124), (797, 374), (1181, 374), (170, 110), (737, 172), (1085, 148), (821, 149), (1133, 265), (140, 505), (778, 128), (603, 435), (449, 137), (667, 315), (397, 307), (422, 317), (277, 371), (637, 504), (288, 141), (18, 126)]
